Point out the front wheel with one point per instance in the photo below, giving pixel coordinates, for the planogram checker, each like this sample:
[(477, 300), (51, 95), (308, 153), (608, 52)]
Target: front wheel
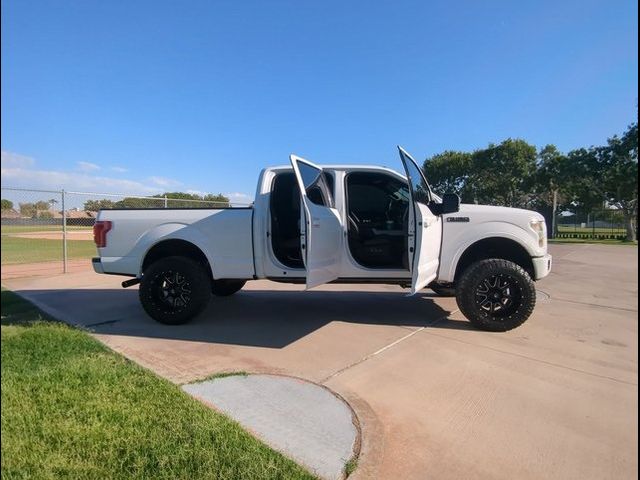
[(173, 290), (496, 295)]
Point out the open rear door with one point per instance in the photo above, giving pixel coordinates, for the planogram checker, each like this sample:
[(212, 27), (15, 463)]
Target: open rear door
[(425, 228), (320, 225)]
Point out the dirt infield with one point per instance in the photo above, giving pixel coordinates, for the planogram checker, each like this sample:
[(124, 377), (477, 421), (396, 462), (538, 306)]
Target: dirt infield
[(71, 235)]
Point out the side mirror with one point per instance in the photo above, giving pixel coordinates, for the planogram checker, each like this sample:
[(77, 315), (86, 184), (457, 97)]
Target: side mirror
[(450, 203)]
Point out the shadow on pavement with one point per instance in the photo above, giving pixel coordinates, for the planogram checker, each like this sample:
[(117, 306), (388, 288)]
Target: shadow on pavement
[(260, 318)]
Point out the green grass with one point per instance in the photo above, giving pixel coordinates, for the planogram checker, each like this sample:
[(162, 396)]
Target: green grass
[(71, 408), (40, 228), (215, 376), (32, 250), (576, 229), (350, 466), (592, 240)]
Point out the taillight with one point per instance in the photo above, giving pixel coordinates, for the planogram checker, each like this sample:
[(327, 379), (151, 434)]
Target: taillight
[(100, 229)]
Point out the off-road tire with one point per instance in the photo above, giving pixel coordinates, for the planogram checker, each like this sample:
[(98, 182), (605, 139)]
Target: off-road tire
[(224, 288), (496, 295), (175, 289)]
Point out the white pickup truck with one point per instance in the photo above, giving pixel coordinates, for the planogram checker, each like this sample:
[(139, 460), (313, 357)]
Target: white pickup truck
[(341, 224)]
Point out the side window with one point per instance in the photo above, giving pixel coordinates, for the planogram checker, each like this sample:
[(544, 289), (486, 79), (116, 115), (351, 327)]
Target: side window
[(318, 185), (419, 188)]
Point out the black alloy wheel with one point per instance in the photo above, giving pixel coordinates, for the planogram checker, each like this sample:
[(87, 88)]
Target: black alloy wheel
[(496, 295), (173, 290)]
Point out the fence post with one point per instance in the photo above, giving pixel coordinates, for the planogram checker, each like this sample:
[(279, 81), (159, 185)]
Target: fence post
[(165, 201), (64, 235), (554, 213)]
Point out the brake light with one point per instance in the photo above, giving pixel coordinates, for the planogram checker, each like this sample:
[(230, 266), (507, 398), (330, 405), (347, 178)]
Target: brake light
[(100, 229)]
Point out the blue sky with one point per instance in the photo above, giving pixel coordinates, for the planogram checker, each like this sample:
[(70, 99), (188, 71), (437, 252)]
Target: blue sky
[(145, 96)]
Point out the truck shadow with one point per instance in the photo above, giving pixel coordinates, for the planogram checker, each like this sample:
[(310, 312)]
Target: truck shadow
[(258, 318)]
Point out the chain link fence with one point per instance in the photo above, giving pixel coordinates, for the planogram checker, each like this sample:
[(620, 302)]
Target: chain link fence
[(606, 224), (51, 231)]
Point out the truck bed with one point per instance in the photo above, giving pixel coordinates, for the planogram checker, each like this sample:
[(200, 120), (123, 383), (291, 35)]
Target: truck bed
[(224, 235)]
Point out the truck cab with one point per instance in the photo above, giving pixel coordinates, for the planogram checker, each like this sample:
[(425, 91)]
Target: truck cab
[(316, 224)]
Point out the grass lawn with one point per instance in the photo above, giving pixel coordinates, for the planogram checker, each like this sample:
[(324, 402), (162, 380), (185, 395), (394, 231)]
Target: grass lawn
[(578, 229), (33, 250), (71, 408)]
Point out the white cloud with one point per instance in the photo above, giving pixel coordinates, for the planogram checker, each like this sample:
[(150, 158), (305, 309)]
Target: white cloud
[(56, 180), (164, 182), (87, 166), (19, 171), (234, 198), (14, 160), (239, 198)]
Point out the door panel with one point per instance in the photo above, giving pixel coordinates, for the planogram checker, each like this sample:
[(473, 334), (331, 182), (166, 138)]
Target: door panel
[(425, 228), (321, 232)]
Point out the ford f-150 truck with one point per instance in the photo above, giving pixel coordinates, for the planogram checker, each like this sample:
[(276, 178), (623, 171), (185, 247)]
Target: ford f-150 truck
[(339, 223)]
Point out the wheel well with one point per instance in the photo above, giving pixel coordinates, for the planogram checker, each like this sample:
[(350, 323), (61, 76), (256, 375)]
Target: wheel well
[(495, 247), (171, 248)]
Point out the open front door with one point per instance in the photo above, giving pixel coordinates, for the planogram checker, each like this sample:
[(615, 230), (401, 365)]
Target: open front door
[(425, 228), (320, 225)]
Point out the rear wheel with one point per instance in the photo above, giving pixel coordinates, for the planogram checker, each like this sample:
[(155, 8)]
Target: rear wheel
[(173, 290), (224, 288), (496, 295)]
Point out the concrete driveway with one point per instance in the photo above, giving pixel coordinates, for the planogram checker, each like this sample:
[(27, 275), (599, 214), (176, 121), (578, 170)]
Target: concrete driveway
[(556, 397)]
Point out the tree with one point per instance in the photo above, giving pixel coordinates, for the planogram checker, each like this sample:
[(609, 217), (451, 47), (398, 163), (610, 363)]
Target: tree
[(585, 185), (95, 205), (553, 181), (35, 210), (501, 174), (449, 172), (42, 205), (192, 200), (6, 204), (180, 199), (27, 210), (174, 200), (619, 160), (139, 202), (218, 200), (504, 174)]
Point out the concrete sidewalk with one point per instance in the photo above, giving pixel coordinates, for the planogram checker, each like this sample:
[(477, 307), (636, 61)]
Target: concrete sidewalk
[(300, 419), (435, 398)]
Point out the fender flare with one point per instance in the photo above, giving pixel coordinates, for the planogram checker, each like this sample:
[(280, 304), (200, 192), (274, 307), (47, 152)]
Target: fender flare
[(170, 231), (486, 231)]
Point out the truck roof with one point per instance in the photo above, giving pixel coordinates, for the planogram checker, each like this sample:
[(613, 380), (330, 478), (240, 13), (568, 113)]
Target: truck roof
[(350, 167)]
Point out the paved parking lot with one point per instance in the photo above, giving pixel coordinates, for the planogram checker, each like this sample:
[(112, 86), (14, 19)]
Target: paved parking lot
[(556, 397)]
